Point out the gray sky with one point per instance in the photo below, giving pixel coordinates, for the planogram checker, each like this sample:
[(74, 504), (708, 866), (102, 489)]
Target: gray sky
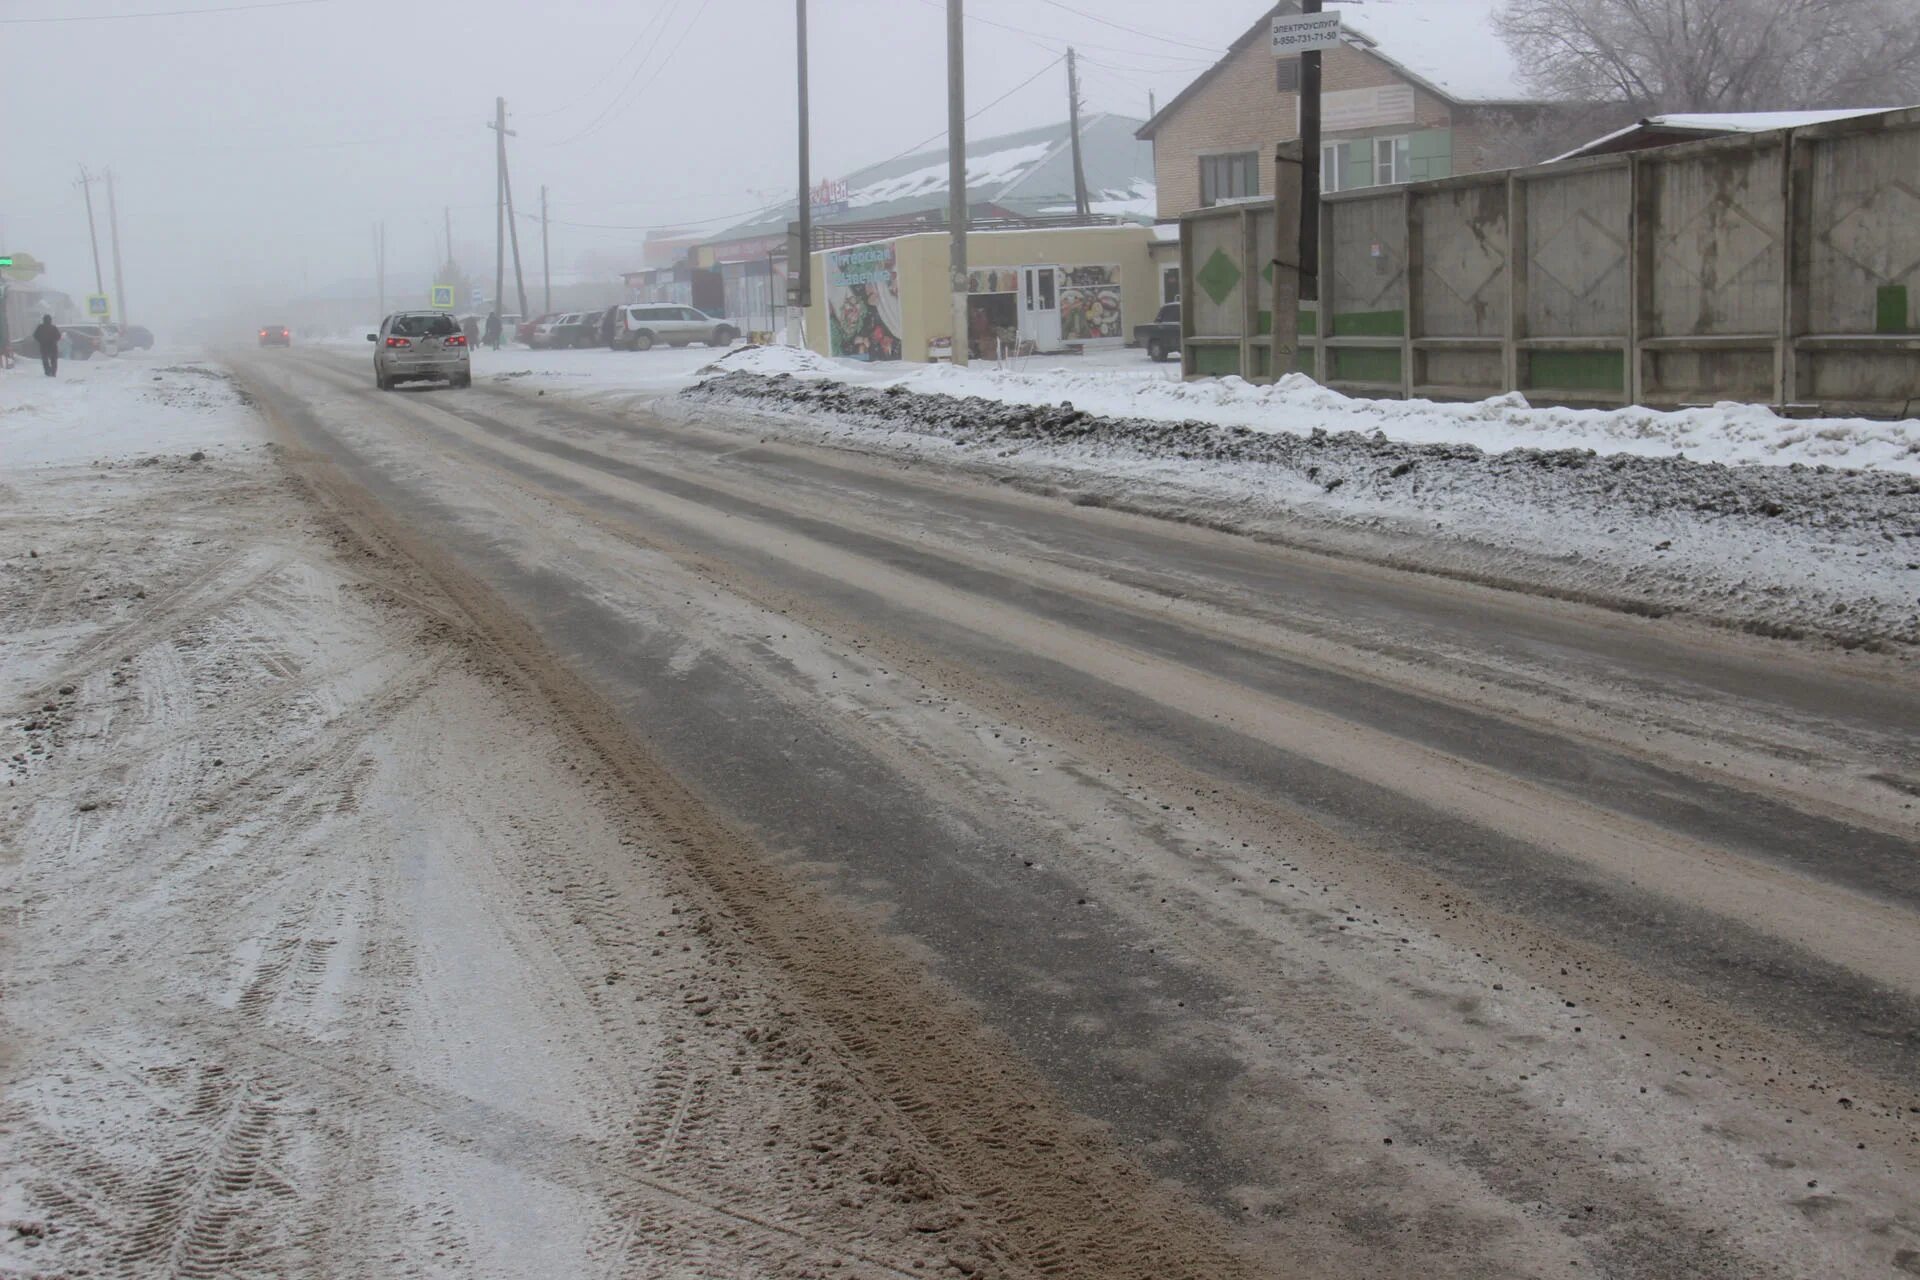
[(255, 149)]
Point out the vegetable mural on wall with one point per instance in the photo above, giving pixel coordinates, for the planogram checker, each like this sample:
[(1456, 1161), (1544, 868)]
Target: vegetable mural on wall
[(1090, 303), (863, 303)]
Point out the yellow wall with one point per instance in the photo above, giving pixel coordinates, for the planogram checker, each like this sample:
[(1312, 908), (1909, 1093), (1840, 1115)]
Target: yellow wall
[(927, 305)]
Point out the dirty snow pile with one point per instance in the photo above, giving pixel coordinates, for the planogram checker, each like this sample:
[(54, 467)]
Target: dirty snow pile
[(1729, 433), (1491, 492), (125, 407)]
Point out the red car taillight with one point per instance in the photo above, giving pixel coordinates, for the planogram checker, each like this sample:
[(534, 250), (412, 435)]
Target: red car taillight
[(457, 340), (399, 342)]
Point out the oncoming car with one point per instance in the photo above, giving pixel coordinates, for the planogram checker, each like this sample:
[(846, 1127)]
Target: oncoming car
[(414, 346)]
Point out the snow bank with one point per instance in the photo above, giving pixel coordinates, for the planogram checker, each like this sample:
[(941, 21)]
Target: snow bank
[(111, 408), (1735, 434)]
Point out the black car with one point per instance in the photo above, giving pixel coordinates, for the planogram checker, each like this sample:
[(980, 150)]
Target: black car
[(276, 335), (1162, 337)]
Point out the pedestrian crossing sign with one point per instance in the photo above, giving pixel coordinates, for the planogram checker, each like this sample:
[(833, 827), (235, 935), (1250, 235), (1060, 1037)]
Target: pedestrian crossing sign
[(443, 296)]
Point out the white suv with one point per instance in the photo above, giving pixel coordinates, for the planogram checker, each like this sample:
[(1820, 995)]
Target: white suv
[(646, 324)]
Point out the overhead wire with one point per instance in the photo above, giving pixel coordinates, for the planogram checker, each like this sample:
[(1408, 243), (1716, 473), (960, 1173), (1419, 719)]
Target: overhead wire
[(658, 15), (1133, 31), (599, 120), (165, 13)]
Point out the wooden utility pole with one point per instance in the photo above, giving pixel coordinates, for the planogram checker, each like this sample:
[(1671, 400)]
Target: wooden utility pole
[(86, 185), (800, 256), (546, 268), (957, 209), (113, 231), (1309, 171), (1081, 205)]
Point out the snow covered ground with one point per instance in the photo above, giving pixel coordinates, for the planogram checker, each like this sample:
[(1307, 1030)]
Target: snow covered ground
[(140, 404)]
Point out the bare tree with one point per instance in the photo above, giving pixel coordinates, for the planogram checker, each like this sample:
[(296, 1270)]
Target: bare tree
[(1719, 55)]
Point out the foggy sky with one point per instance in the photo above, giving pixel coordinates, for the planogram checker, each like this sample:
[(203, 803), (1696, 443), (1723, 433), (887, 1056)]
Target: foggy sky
[(255, 150)]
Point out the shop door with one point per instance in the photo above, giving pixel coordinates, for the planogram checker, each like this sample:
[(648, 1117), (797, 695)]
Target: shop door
[(1040, 307)]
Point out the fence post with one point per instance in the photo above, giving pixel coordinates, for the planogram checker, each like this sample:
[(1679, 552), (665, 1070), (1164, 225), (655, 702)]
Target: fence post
[(1796, 274), (1517, 271), (1640, 205), (1410, 291)]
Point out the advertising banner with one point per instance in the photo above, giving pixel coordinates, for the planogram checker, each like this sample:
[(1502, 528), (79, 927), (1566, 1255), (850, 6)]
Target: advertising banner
[(863, 303), (1090, 303)]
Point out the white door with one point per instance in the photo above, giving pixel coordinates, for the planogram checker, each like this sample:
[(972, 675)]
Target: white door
[(1040, 307)]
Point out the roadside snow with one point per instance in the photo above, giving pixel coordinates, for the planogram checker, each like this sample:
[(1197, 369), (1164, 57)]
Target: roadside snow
[(113, 408)]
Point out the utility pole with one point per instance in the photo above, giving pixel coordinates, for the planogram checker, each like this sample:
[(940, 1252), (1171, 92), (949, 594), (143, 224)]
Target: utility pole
[(1309, 172), (499, 127), (797, 299), (86, 185), (957, 175), (1080, 203), (546, 268), (113, 230), (513, 235)]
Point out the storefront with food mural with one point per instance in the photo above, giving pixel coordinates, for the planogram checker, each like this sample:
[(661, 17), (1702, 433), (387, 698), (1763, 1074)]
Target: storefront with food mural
[(1027, 291)]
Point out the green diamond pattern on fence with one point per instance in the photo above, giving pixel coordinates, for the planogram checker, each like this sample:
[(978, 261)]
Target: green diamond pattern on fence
[(1218, 277)]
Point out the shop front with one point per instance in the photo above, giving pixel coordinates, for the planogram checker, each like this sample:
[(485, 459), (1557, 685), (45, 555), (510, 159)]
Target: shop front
[(1041, 291)]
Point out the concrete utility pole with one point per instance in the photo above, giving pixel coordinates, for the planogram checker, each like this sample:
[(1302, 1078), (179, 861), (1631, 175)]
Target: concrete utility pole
[(798, 298), (1080, 202), (113, 231), (957, 175), (546, 269), (86, 185), (513, 234), (499, 127), (1309, 172)]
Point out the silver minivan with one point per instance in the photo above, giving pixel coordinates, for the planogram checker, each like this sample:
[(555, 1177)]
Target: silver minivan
[(416, 345), (645, 325)]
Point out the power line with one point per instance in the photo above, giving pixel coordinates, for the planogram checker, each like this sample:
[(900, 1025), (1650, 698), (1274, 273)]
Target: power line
[(664, 63), (1132, 31), (658, 14), (166, 13)]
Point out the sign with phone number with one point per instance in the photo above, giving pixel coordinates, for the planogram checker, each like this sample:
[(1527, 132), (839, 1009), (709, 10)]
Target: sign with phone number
[(1303, 33)]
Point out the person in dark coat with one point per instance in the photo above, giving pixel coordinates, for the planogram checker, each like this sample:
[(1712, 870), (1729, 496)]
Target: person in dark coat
[(493, 330), (48, 336)]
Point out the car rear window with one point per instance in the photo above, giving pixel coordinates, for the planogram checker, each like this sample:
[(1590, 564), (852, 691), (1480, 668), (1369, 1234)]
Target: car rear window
[(425, 326)]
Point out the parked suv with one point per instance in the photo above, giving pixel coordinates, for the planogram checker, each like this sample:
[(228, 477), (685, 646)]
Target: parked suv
[(104, 337), (416, 345), (646, 324)]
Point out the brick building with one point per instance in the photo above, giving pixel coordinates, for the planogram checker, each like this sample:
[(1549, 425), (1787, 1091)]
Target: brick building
[(1419, 89)]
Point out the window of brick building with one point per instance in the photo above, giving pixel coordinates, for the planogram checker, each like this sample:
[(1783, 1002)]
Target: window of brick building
[(1227, 177)]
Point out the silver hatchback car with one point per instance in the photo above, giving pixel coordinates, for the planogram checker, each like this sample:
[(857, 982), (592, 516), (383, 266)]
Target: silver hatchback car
[(416, 345)]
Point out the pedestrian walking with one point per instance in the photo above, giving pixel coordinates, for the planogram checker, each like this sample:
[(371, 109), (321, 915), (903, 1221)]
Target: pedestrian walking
[(493, 330), (48, 336)]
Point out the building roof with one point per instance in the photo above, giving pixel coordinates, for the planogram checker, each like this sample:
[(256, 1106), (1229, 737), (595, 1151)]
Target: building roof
[(1664, 130), (1447, 46), (1026, 172)]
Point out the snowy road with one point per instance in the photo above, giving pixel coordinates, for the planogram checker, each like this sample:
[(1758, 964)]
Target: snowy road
[(1409, 928)]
